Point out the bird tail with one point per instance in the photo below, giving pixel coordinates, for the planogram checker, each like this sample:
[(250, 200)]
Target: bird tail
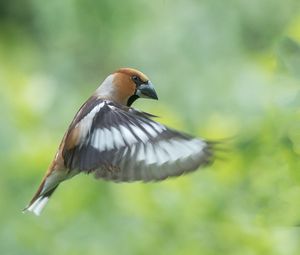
[(39, 200), (49, 184)]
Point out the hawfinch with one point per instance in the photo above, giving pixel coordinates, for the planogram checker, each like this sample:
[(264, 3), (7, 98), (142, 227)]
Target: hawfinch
[(116, 142)]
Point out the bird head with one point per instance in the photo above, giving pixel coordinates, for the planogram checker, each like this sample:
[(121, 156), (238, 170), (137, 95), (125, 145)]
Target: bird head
[(125, 86)]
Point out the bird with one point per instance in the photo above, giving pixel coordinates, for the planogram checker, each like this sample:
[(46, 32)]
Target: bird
[(116, 142)]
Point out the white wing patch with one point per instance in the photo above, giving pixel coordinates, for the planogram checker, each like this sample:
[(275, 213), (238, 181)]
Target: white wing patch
[(117, 137), (169, 151), (139, 133), (149, 129), (158, 127), (109, 139), (133, 148), (151, 157), (127, 135), (162, 155), (85, 124), (98, 139), (159, 160), (141, 155), (161, 152)]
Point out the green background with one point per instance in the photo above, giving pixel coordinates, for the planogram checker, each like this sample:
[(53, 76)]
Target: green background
[(220, 68)]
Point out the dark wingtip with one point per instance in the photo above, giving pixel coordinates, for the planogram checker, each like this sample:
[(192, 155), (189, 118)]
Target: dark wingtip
[(220, 148)]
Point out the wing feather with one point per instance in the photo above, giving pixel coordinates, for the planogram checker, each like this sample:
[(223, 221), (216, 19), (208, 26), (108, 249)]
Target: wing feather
[(122, 144)]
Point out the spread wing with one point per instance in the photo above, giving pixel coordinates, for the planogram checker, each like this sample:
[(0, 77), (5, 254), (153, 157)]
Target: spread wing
[(121, 144)]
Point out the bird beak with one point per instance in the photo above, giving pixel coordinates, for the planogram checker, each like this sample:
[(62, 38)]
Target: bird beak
[(147, 90)]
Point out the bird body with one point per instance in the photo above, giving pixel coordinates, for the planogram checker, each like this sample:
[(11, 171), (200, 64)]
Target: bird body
[(116, 142)]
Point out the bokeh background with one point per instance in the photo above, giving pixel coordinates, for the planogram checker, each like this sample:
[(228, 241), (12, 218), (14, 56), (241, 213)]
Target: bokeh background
[(221, 69)]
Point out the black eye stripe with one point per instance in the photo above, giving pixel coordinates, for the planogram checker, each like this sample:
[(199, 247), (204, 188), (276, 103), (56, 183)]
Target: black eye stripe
[(137, 80)]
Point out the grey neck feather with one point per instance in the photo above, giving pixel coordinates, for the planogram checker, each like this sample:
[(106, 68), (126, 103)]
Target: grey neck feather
[(106, 89)]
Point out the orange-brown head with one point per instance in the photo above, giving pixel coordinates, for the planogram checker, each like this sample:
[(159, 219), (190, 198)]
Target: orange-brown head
[(126, 85)]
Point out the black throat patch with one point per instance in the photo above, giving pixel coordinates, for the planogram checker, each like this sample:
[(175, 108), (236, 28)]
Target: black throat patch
[(132, 99)]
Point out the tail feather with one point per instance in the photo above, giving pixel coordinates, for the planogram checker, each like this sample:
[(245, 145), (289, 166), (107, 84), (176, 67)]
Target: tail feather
[(48, 185), (39, 201), (37, 206)]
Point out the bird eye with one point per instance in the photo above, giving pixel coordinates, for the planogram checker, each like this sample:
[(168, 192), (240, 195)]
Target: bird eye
[(137, 80)]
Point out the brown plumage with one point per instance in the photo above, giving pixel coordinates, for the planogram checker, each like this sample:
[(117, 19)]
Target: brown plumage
[(112, 140)]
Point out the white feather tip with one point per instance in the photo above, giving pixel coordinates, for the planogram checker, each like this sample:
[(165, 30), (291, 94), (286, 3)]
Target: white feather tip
[(37, 206)]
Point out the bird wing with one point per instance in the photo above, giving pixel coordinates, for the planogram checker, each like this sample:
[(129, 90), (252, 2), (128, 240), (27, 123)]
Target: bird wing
[(122, 144)]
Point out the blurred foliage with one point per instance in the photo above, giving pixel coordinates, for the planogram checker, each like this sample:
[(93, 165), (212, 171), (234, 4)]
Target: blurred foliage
[(221, 69)]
